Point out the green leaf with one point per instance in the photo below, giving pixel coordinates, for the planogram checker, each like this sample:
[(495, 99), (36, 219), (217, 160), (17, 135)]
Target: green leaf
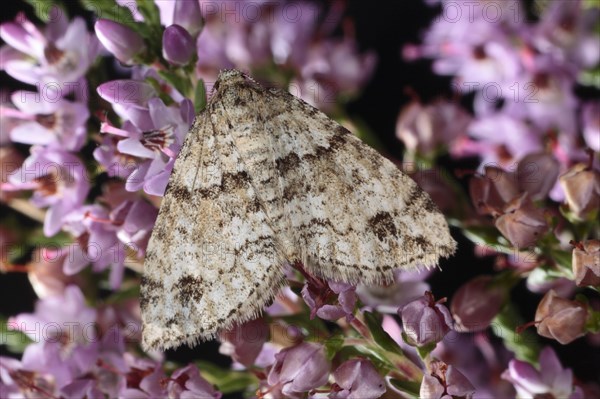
[(525, 345), (49, 10), (226, 381), (149, 11), (411, 388), (381, 337), (110, 9), (333, 345), (15, 341), (425, 350), (200, 96)]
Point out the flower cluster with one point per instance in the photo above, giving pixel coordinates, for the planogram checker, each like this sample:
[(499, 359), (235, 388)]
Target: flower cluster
[(86, 151)]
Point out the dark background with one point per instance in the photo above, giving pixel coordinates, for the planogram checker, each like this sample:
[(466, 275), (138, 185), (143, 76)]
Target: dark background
[(384, 27)]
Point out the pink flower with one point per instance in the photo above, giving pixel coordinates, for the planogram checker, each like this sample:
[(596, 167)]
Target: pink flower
[(317, 296), (187, 383), (425, 321), (61, 318), (476, 303), (521, 222), (444, 381), (56, 57), (59, 124), (550, 379), (299, 369), (178, 45), (156, 139), (245, 342), (561, 319), (59, 181), (123, 42), (357, 379)]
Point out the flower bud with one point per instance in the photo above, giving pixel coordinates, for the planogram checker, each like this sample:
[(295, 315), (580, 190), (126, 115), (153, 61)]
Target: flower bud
[(492, 190), (357, 379), (425, 321), (178, 45), (476, 303), (299, 369), (244, 342), (188, 15), (586, 263), (444, 381), (582, 189), (537, 174), (320, 298), (123, 42), (560, 319), (522, 223)]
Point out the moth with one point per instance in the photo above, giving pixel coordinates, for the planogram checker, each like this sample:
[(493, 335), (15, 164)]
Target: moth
[(265, 179)]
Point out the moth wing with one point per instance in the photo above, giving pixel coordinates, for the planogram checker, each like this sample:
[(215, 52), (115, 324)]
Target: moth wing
[(352, 213), (212, 260)]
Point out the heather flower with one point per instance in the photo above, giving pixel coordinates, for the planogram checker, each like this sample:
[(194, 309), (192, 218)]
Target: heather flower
[(357, 379), (407, 286), (521, 222), (59, 181), (10, 161), (480, 359), (299, 369), (112, 160), (244, 342), (482, 58), (444, 381), (143, 378), (46, 275), (16, 382), (566, 32), (61, 318), (6, 121), (425, 128), (123, 42), (102, 237), (56, 57), (551, 379), (581, 185), (517, 139), (333, 69), (491, 191), (184, 13), (425, 321), (82, 389), (178, 45), (156, 139), (591, 125), (129, 99), (317, 296), (561, 319), (476, 303), (537, 173), (58, 123), (545, 100), (187, 383), (586, 263)]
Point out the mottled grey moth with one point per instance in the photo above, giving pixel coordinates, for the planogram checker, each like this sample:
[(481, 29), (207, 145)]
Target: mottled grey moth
[(265, 179)]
